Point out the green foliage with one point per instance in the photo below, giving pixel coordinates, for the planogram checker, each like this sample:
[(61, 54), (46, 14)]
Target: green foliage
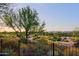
[(55, 39), (30, 21), (8, 51), (24, 40), (8, 20), (41, 47), (4, 7), (26, 19)]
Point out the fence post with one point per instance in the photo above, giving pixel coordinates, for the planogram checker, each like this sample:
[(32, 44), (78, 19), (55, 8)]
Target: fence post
[(53, 50), (1, 45), (1, 40), (19, 48)]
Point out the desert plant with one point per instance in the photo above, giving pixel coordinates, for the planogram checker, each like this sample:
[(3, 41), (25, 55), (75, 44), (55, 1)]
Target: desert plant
[(26, 19)]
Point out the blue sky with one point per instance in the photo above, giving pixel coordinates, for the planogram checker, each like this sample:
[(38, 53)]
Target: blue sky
[(58, 17)]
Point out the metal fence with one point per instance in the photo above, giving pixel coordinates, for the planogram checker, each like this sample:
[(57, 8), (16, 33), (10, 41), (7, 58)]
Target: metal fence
[(62, 50), (53, 50), (6, 50)]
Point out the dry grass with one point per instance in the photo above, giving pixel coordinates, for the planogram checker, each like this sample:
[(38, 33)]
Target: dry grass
[(71, 51)]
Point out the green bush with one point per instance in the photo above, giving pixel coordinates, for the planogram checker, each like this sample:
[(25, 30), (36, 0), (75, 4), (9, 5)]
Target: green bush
[(55, 39)]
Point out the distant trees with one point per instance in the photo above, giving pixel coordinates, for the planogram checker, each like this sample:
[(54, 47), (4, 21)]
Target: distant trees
[(76, 31)]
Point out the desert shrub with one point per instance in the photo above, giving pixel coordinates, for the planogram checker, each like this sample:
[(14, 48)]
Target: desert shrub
[(41, 47), (55, 39), (24, 40), (9, 51), (77, 44)]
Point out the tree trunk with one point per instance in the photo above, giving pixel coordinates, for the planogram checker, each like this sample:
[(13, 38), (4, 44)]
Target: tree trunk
[(26, 33)]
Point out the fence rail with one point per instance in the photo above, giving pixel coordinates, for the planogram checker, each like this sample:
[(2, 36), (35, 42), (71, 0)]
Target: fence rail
[(55, 50)]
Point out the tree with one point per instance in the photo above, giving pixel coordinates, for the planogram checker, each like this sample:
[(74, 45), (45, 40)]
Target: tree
[(11, 20), (4, 7), (30, 21), (26, 19)]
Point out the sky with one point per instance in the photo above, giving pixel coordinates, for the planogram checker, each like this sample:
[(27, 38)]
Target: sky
[(58, 17)]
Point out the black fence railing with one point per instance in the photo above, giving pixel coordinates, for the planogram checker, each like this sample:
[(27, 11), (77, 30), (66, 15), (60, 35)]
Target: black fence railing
[(65, 50), (55, 49)]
